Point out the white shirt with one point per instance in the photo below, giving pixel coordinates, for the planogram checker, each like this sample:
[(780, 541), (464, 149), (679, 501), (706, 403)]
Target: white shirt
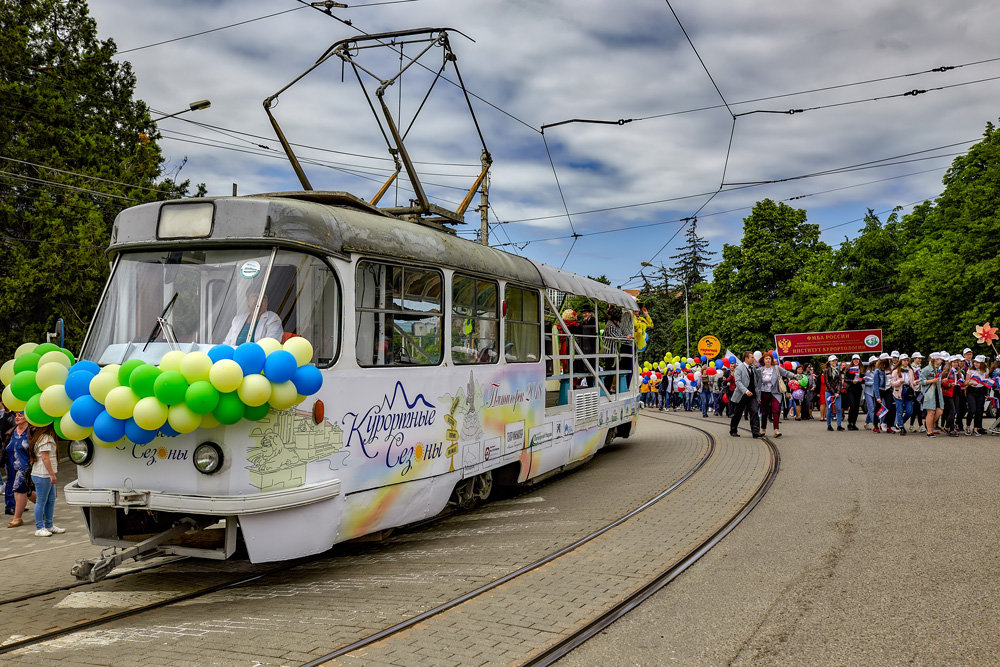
[(45, 444), (268, 326)]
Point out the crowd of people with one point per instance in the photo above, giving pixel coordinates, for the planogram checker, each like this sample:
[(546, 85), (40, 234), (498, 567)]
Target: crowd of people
[(29, 460), (950, 394)]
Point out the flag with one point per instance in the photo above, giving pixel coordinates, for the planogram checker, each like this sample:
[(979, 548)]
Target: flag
[(830, 398), (883, 411), (995, 402)]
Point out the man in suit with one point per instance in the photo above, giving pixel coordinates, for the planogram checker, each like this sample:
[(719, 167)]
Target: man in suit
[(746, 396)]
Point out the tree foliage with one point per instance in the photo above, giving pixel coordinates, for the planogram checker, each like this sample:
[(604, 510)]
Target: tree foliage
[(75, 148)]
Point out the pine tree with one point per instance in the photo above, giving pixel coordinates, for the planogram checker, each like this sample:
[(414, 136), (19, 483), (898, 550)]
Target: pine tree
[(692, 262)]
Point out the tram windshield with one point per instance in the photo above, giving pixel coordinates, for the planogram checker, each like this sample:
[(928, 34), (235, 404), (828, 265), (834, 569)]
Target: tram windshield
[(193, 299)]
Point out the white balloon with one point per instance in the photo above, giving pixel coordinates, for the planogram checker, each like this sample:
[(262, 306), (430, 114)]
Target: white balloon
[(757, 355)]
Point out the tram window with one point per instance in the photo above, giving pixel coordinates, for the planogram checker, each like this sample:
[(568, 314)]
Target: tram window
[(475, 334), (399, 315), (522, 325)]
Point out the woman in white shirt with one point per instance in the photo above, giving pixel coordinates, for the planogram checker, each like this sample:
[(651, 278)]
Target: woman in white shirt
[(267, 325), (44, 464)]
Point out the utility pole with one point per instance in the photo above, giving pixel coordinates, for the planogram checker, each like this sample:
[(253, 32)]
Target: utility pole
[(484, 206), (687, 322)]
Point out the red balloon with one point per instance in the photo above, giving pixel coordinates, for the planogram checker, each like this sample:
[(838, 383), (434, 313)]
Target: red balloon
[(710, 371), (725, 398), (659, 375), (788, 365), (690, 377), (725, 362)]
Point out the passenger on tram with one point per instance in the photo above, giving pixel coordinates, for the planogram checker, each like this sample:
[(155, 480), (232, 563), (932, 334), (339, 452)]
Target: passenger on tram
[(267, 325)]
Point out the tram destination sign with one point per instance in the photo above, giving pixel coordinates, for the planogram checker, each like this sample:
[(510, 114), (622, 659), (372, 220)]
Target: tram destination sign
[(828, 342)]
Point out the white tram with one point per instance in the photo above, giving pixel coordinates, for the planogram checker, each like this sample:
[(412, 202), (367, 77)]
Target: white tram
[(447, 368)]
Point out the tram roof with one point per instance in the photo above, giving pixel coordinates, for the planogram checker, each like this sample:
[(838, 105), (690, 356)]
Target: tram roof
[(340, 223)]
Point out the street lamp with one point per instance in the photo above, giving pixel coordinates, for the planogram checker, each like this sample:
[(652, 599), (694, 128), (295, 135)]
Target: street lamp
[(193, 106)]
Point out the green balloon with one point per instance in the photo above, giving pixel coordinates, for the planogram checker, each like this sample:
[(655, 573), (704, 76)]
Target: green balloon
[(126, 370), (34, 413), (46, 347), (230, 408), (256, 413), (27, 362), (170, 387), (72, 359), (201, 397), (142, 380), (58, 429), (804, 379), (23, 385)]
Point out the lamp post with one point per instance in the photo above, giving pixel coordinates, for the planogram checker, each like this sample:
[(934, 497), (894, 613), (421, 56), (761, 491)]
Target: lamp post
[(193, 106)]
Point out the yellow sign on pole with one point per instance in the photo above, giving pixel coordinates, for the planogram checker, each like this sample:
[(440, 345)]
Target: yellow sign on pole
[(710, 346)]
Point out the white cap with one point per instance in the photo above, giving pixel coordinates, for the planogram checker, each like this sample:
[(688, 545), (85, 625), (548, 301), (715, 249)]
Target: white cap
[(916, 355), (884, 355), (856, 356), (904, 356), (955, 357), (895, 353), (832, 357), (872, 359), (981, 358), (967, 350), (935, 355)]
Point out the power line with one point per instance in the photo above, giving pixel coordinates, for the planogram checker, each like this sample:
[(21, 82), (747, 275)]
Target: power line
[(76, 173), (30, 179)]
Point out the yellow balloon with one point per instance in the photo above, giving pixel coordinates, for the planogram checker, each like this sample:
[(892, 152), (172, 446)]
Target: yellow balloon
[(25, 348), (54, 401), (255, 390), (102, 383), (72, 430), (299, 348), (55, 356), (120, 402), (171, 361), (103, 443), (269, 344), (226, 375), (182, 419), (12, 402), (283, 395), (7, 372), (51, 373), (209, 420), (195, 366), (149, 413)]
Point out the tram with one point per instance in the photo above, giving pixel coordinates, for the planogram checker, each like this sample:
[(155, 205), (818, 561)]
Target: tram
[(447, 370)]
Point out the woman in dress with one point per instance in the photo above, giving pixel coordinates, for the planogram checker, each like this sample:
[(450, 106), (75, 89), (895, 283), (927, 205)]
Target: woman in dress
[(770, 393), (18, 453)]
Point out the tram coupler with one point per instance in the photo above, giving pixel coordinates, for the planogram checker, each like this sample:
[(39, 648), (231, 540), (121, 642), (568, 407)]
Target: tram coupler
[(95, 569)]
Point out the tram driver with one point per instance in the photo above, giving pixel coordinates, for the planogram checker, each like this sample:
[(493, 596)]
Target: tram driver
[(267, 325)]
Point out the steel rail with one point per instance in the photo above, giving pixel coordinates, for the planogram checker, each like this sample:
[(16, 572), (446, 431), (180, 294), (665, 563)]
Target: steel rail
[(419, 618), (637, 597)]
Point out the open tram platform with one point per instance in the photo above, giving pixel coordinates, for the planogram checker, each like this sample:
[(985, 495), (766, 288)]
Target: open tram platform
[(866, 549)]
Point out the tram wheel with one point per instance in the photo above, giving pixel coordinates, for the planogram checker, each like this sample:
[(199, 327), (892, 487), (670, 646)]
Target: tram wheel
[(483, 485)]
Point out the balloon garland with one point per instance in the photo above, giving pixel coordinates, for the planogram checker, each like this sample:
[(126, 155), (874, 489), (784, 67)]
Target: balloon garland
[(137, 400)]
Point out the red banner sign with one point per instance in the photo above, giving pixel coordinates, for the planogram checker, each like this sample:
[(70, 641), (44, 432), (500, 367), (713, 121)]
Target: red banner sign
[(828, 342)]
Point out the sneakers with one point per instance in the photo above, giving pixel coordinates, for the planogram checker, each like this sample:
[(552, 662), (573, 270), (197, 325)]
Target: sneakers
[(841, 428), (41, 532), (829, 428), (931, 435), (876, 430), (56, 530), (923, 429)]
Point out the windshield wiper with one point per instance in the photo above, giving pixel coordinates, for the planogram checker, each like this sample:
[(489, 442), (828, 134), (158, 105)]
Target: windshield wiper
[(159, 322)]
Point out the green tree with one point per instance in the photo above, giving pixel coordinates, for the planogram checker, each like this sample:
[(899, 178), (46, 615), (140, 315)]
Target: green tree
[(692, 262), (75, 148)]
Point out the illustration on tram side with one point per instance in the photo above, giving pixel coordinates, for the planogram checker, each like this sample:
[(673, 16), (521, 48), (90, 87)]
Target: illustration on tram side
[(286, 442)]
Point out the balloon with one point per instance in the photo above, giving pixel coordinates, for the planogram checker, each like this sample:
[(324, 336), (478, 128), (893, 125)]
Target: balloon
[(250, 357), (55, 357), (149, 414), (757, 355), (54, 400), (683, 364), (143, 379), (308, 380), (182, 418), (718, 364), (220, 352), (7, 372), (269, 345), (44, 348), (804, 380), (78, 384), (690, 377), (704, 358), (256, 413), (727, 363), (171, 361), (71, 430), (659, 375), (697, 377), (798, 394), (226, 375), (195, 366), (170, 388), (137, 434), (256, 389), (25, 348), (711, 370), (126, 370), (733, 359), (86, 366), (725, 398), (50, 374), (209, 421), (34, 412), (120, 402), (10, 401), (794, 384), (102, 384), (300, 348), (85, 410), (168, 432), (202, 397), (682, 383), (788, 365), (26, 362), (645, 379), (23, 385), (230, 408)]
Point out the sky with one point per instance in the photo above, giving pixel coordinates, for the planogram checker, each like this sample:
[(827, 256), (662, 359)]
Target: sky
[(696, 138)]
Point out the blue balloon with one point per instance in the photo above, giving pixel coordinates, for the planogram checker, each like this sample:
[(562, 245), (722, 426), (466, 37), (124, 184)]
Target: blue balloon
[(645, 380), (167, 431), (280, 366), (84, 365), (250, 357), (718, 364), (733, 359), (684, 364), (307, 380), (78, 384), (220, 352), (85, 410), (704, 358), (139, 436), (107, 428)]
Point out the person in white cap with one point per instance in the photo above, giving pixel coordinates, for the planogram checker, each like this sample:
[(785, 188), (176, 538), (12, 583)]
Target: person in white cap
[(930, 387), (975, 391), (916, 360), (868, 380), (855, 388), (885, 393), (900, 380), (834, 381)]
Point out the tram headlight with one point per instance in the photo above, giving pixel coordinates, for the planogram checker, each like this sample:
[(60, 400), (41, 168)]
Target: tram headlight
[(208, 458), (81, 451)]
